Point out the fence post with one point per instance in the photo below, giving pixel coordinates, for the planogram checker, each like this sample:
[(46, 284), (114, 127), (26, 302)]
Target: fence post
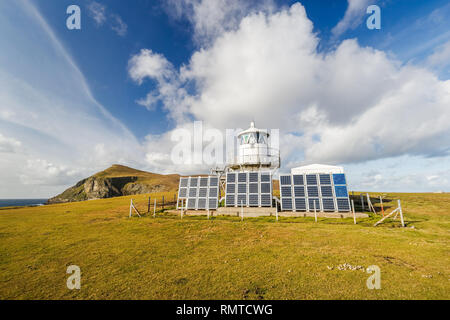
[(381, 204), (362, 201), (131, 204), (242, 211), (276, 212), (353, 210), (315, 212), (154, 209), (163, 203), (149, 199), (401, 213)]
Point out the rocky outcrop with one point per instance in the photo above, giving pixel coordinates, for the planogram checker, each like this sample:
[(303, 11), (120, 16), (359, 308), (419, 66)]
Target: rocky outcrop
[(103, 185)]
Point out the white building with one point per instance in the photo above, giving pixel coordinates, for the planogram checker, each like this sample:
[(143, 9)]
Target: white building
[(317, 168), (254, 152)]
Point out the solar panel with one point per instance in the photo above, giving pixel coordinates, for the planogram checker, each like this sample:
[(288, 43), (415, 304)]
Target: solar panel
[(230, 200), (203, 182), (311, 202), (286, 191), (286, 203), (201, 203), (341, 191), (242, 200), (202, 192), (191, 202), (231, 188), (328, 204), (311, 179), (212, 203), (339, 178), (327, 191), (299, 191), (242, 188), (254, 189), (324, 179), (313, 191), (213, 181), (253, 200), (298, 180), (192, 192), (343, 204), (213, 192), (182, 193), (193, 182), (231, 177), (265, 188), (184, 182), (199, 192), (300, 204), (285, 180), (242, 177), (253, 177), (266, 200)]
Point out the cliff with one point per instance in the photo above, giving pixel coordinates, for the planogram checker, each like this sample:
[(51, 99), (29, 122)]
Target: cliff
[(117, 181)]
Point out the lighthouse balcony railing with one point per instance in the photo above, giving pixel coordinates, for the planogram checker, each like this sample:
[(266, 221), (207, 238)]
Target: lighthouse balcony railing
[(270, 158)]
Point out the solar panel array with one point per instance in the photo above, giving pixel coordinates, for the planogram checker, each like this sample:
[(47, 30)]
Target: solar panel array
[(198, 193), (250, 188), (324, 192)]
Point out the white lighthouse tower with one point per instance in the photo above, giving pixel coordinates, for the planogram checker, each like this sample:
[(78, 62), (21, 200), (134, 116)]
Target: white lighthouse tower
[(254, 152)]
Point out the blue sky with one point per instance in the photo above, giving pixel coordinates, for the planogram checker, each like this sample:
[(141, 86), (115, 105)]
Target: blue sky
[(339, 92)]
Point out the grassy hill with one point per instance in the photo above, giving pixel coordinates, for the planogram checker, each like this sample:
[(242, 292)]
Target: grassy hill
[(116, 181), (222, 258)]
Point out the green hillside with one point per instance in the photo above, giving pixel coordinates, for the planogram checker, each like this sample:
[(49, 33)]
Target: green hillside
[(222, 258)]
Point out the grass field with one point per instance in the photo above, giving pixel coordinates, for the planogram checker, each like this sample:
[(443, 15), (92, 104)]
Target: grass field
[(221, 258)]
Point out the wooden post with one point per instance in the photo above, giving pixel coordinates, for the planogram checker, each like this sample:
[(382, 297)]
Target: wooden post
[(382, 219), (131, 204), (362, 201), (182, 211), (353, 210), (149, 199), (163, 203), (276, 212), (401, 213), (242, 211), (315, 212), (154, 209)]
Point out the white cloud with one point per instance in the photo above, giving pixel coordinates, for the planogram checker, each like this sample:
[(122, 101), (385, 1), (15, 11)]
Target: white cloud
[(8, 144), (101, 16), (98, 12), (118, 25), (54, 132), (348, 105), (41, 172), (353, 16), (440, 58), (211, 18)]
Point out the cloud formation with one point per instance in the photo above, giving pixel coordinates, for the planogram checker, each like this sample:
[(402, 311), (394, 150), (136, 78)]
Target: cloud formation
[(353, 16), (102, 16), (351, 104)]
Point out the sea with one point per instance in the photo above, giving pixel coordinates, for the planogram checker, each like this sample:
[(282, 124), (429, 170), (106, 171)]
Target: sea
[(21, 202)]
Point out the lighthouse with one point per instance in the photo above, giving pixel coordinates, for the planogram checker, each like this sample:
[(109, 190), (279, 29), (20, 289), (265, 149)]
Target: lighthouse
[(254, 152)]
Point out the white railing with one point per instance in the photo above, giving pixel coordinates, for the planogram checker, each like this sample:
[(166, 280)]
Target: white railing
[(270, 158)]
